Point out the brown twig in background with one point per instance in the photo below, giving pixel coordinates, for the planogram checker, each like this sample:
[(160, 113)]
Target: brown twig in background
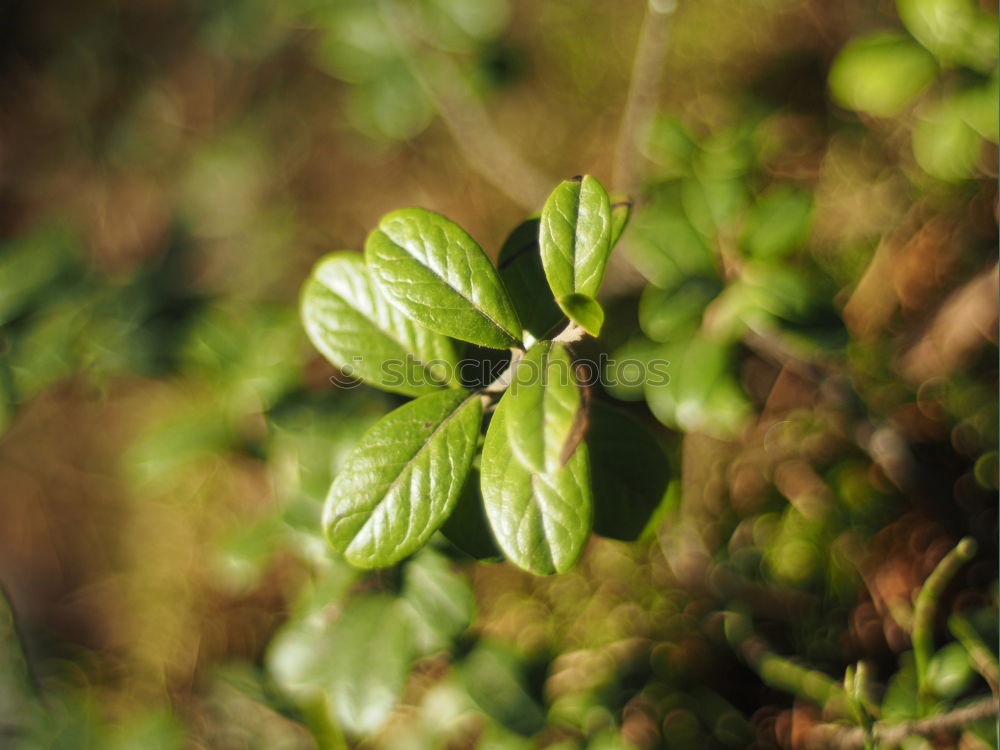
[(887, 734), (485, 150), (643, 91)]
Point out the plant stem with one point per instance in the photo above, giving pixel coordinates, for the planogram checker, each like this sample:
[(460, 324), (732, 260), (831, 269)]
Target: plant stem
[(886, 734), (643, 91), (783, 674), (503, 380), (484, 149), (926, 607), (980, 656)]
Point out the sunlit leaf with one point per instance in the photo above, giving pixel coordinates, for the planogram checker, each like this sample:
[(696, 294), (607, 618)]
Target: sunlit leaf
[(436, 274), (575, 236), (403, 478), (540, 520), (354, 326), (544, 405)]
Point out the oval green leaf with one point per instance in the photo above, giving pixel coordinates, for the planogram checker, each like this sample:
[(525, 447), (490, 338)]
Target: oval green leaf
[(352, 324), (575, 236), (540, 520), (439, 277), (403, 478), (369, 660), (545, 408)]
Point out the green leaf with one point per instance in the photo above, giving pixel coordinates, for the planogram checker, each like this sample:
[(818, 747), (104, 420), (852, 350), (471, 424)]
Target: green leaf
[(497, 681), (540, 520), (900, 700), (882, 73), (703, 395), (544, 408), (349, 320), (370, 659), (440, 599), (628, 469), (438, 276), (520, 265), (621, 209), (467, 527), (671, 145), (949, 672), (666, 247), (666, 314), (575, 236), (777, 223), (584, 311), (403, 478)]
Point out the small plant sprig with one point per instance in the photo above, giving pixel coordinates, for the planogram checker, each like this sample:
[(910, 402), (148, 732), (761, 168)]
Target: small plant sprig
[(391, 321)]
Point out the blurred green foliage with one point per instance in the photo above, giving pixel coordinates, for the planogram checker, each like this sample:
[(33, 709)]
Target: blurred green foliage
[(815, 237)]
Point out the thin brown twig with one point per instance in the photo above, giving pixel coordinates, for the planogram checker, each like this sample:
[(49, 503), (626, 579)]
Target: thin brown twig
[(887, 734), (485, 150)]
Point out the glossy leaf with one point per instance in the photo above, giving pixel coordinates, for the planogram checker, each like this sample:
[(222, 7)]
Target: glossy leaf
[(575, 236), (629, 472), (403, 478), (584, 311), (544, 408), (349, 320), (520, 265), (540, 520), (436, 274)]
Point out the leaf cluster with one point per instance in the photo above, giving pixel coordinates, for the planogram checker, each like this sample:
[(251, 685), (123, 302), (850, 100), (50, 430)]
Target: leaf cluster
[(395, 320)]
